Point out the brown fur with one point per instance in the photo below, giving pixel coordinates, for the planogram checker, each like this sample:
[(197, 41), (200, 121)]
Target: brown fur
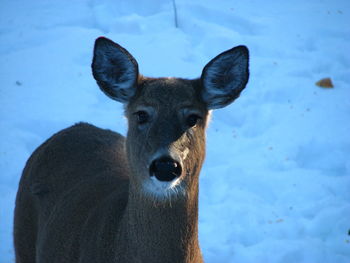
[(82, 195), (75, 188)]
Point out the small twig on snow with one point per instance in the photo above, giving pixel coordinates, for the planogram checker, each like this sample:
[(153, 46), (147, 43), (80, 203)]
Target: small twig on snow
[(175, 13)]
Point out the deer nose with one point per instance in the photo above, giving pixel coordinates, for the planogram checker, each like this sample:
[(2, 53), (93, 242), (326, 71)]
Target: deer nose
[(165, 169)]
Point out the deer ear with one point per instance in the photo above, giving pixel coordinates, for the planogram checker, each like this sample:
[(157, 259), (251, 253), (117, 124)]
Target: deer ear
[(224, 77), (114, 69)]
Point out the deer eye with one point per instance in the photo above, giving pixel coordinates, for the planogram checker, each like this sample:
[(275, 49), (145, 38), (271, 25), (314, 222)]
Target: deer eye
[(142, 117), (192, 120)]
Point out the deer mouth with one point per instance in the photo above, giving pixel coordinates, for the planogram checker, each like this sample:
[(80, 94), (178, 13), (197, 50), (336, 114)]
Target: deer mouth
[(165, 169)]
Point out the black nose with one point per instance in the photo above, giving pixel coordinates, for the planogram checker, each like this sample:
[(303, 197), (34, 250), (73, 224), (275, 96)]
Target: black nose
[(165, 169)]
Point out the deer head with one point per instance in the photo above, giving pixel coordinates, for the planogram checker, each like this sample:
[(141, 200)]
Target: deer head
[(167, 117)]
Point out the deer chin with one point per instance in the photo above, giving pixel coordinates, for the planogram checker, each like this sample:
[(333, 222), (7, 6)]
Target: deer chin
[(164, 190)]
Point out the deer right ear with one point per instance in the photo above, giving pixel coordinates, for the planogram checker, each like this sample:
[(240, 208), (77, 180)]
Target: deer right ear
[(114, 69), (224, 77)]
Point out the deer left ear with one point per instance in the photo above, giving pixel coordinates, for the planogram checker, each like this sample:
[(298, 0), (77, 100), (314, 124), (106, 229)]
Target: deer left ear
[(224, 77), (115, 70)]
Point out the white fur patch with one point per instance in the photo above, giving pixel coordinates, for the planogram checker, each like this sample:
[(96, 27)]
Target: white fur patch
[(163, 190), (185, 153)]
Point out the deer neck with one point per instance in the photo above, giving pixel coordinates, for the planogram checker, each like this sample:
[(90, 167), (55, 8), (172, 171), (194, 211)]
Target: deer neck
[(162, 232)]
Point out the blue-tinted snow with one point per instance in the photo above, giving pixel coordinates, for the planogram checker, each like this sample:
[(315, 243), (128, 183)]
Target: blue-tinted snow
[(276, 183)]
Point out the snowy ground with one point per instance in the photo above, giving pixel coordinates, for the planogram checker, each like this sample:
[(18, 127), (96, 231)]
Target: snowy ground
[(276, 183)]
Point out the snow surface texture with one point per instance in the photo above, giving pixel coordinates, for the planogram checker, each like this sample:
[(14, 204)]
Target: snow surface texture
[(276, 183)]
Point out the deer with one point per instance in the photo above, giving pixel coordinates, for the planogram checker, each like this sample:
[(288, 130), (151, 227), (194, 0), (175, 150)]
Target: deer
[(92, 195)]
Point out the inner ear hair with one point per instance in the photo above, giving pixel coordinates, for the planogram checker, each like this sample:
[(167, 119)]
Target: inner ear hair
[(115, 70), (225, 76)]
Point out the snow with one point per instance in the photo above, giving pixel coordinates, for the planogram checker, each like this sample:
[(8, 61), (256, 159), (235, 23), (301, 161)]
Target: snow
[(276, 183)]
